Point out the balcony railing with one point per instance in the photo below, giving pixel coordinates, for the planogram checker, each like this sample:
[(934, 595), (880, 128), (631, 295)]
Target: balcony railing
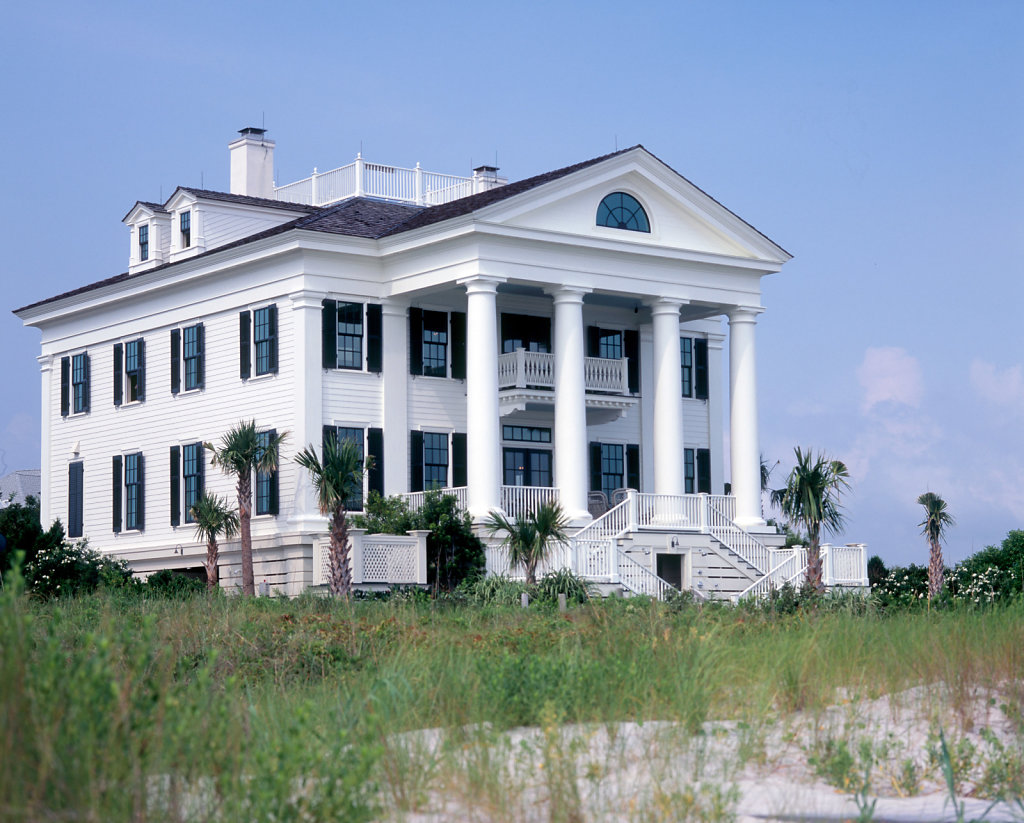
[(523, 369), (362, 179)]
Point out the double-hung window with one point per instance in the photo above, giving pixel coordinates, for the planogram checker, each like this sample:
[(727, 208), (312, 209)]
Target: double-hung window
[(614, 466), (435, 338), (143, 243), (693, 356), (74, 384), (697, 471), (192, 474), (128, 492), (266, 482), (185, 226), (352, 332), (187, 351), (432, 455), (76, 498), (257, 332), (129, 372), (435, 460)]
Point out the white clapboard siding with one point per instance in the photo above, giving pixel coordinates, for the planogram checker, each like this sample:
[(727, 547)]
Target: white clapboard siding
[(437, 403), (223, 224)]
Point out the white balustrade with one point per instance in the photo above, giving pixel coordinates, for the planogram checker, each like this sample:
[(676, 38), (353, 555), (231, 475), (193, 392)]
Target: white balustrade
[(518, 500), (374, 180), (531, 369), (415, 500)]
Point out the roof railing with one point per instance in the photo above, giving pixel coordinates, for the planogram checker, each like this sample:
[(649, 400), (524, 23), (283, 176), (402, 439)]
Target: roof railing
[(363, 179)]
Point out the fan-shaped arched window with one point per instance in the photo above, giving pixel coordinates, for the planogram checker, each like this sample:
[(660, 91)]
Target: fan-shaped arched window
[(622, 211)]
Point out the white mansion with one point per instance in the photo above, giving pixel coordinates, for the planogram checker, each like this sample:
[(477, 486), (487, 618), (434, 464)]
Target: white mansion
[(558, 336)]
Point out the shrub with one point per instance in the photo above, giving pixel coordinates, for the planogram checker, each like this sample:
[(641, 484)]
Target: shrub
[(175, 585), (563, 581), (74, 568), (993, 573), (23, 532), (877, 572), (496, 590), (903, 586)]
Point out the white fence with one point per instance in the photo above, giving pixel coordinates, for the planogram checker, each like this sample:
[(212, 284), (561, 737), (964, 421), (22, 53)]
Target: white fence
[(394, 559), (362, 179)]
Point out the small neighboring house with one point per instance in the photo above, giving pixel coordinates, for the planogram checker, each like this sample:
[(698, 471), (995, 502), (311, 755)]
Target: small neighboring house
[(558, 337), (18, 485)]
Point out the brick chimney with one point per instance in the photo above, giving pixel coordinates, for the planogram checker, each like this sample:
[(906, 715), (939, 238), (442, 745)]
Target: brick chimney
[(252, 163)]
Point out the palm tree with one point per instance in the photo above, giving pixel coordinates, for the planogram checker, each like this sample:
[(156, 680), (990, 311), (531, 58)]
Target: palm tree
[(936, 521), (244, 450), (530, 538), (336, 479), (811, 497), (213, 518)]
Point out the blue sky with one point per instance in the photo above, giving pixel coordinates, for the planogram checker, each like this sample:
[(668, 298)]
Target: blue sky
[(881, 143)]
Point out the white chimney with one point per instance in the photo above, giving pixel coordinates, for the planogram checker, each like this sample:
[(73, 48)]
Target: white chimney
[(252, 164), (486, 178)]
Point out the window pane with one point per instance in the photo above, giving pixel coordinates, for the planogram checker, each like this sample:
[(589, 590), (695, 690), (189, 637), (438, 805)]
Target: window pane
[(686, 360), (610, 344), (435, 460), (622, 211), (435, 343), (261, 336), (612, 467), (350, 335)]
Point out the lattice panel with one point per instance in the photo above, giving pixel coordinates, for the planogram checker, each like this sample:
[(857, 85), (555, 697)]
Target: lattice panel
[(321, 562), (389, 562)]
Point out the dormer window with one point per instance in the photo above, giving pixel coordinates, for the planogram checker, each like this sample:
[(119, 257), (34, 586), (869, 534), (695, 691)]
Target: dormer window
[(186, 229), (143, 243), (622, 211)]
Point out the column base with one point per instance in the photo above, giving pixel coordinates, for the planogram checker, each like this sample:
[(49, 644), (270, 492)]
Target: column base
[(578, 519), (478, 515), (751, 523)]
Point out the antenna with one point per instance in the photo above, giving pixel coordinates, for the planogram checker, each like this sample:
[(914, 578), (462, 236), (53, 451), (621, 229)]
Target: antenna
[(616, 142), (202, 180)]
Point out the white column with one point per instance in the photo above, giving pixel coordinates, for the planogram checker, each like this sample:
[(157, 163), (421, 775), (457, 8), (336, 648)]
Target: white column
[(49, 411), (570, 403), (483, 427), (647, 407), (307, 407), (669, 475), (715, 412), (746, 456), (395, 376)]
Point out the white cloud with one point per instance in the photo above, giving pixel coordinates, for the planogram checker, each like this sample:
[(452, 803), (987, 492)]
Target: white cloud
[(889, 374), (1000, 388)]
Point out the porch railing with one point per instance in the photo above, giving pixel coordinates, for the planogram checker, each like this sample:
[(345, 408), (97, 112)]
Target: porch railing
[(517, 500), (415, 500), (840, 565), (523, 369)]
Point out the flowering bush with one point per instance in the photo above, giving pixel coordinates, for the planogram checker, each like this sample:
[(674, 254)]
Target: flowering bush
[(903, 586), (74, 568)]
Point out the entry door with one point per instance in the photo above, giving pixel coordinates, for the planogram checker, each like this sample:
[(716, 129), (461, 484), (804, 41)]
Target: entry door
[(527, 467), (670, 569)]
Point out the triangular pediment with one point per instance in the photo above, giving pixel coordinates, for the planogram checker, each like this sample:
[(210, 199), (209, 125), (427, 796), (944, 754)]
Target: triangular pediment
[(680, 215)]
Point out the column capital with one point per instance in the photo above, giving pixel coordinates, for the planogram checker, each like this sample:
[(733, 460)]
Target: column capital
[(45, 362), (744, 314), (481, 283), (306, 299), (567, 294), (393, 307), (666, 305)]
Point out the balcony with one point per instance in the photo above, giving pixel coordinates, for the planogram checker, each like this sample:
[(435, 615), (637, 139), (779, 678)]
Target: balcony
[(526, 380)]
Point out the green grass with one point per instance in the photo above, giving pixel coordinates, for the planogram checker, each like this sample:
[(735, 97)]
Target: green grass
[(123, 708)]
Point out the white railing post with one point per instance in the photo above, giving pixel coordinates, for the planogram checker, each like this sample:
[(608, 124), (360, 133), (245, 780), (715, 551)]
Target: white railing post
[(421, 554), (419, 185), (705, 502), (625, 375), (520, 368), (313, 195), (828, 576), (360, 163), (356, 555), (633, 516)]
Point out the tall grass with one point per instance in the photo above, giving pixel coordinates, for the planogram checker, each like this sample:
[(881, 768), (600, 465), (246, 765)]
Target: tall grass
[(123, 708)]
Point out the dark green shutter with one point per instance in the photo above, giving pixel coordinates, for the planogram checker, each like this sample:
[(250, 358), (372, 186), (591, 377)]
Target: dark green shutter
[(415, 341), (700, 362), (118, 374), (142, 495), (631, 342), (593, 346), (633, 466), (175, 486), (415, 461), (329, 334), (374, 338), (201, 466), (704, 471), (175, 361), (329, 433), (244, 337), (272, 321), (595, 467), (142, 370), (88, 390), (375, 447), (458, 322), (115, 496), (65, 386), (201, 352), (459, 459), (75, 499)]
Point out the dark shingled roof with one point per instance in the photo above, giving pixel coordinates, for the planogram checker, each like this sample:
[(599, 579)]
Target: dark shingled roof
[(245, 200), (357, 217)]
